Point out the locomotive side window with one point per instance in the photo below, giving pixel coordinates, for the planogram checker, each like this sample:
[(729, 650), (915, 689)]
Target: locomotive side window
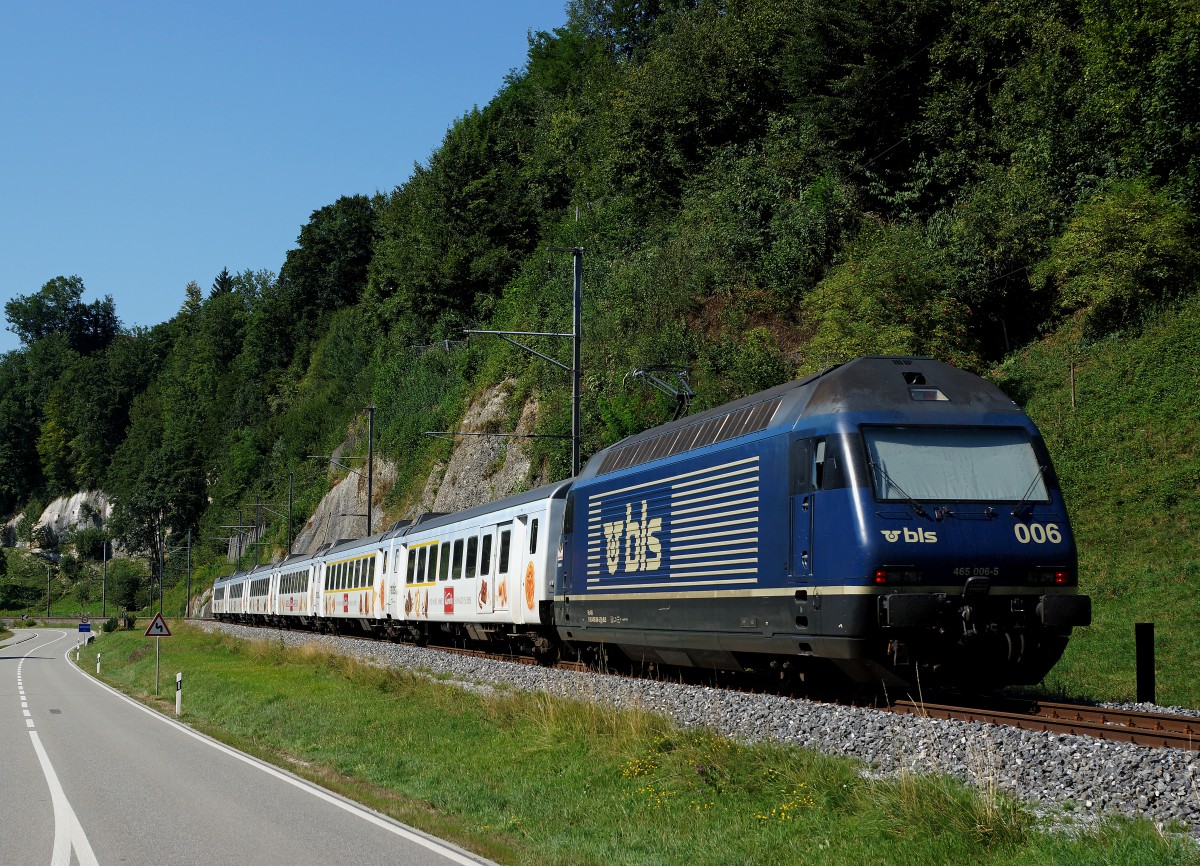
[(569, 515), (819, 461), (802, 466)]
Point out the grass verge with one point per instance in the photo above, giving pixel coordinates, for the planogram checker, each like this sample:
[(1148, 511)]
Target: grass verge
[(1126, 444), (531, 779)]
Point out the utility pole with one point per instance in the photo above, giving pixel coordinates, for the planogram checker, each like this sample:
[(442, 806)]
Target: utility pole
[(291, 481), (188, 597), (370, 462), (162, 561), (576, 362)]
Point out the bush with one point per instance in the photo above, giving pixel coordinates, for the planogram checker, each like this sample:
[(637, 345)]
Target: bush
[(1128, 248), (888, 295), (89, 543)]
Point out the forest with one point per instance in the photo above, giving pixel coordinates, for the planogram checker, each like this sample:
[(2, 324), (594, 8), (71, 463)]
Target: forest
[(762, 188)]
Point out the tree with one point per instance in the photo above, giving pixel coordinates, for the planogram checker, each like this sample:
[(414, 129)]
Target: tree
[(328, 268), (57, 308), (223, 284)]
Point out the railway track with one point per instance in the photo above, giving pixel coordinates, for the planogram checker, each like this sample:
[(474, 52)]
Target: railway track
[(1160, 730), (1156, 730)]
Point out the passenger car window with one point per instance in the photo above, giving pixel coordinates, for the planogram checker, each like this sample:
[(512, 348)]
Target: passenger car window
[(505, 543), (485, 556), (472, 555), (533, 536)]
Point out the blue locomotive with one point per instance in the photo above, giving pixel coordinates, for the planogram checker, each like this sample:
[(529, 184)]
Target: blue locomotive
[(896, 517)]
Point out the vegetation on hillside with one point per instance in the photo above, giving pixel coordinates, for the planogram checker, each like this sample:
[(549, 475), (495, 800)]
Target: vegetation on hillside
[(761, 188)]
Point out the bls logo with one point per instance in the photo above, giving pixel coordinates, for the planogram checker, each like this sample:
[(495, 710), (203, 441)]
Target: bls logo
[(643, 552), (923, 536)]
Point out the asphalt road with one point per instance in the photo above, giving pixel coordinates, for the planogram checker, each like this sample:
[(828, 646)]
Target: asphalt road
[(89, 777)]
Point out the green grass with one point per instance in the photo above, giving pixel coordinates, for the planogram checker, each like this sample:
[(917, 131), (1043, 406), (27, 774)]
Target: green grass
[(1128, 456), (527, 778)]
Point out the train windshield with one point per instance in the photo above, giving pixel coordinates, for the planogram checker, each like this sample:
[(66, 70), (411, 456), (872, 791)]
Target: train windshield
[(954, 463)]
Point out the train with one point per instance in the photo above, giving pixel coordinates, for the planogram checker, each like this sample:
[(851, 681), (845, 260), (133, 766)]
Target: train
[(889, 520)]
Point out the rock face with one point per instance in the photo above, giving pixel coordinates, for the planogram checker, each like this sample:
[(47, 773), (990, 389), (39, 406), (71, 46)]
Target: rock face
[(342, 512), (83, 510), (482, 468), (65, 515)]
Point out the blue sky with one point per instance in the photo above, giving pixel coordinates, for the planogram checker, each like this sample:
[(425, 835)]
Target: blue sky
[(147, 144)]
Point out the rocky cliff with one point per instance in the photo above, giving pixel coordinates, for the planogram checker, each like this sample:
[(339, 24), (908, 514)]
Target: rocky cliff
[(480, 469)]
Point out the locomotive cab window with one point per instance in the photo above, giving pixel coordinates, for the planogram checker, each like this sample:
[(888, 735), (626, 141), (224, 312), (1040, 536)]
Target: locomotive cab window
[(814, 466), (961, 464)]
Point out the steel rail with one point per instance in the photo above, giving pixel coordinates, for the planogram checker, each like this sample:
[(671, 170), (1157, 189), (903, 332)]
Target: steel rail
[(1159, 730)]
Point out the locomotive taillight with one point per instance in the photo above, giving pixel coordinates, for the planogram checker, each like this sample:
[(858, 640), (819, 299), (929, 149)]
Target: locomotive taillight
[(1052, 577), (893, 575)]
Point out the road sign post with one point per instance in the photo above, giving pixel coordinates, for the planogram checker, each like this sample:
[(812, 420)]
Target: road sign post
[(157, 630)]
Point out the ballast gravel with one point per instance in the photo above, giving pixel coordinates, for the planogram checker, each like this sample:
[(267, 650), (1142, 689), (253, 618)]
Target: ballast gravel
[(1070, 780)]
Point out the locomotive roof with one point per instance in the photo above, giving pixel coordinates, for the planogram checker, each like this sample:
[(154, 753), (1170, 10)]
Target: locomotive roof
[(868, 384)]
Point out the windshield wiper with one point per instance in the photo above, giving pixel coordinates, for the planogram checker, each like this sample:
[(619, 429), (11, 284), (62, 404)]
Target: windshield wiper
[(917, 506), (1019, 508)]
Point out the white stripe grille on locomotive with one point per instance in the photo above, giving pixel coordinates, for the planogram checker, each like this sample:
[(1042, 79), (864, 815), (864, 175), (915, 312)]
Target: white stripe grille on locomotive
[(698, 524)]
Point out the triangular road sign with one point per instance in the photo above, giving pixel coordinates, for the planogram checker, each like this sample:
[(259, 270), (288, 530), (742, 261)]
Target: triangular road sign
[(158, 627)]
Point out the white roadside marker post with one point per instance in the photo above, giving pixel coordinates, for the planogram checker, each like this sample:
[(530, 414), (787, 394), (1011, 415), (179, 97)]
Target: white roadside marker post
[(178, 692), (97, 663)]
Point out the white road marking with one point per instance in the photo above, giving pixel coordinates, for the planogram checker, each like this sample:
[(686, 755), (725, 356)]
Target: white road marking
[(68, 832), (430, 843)]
